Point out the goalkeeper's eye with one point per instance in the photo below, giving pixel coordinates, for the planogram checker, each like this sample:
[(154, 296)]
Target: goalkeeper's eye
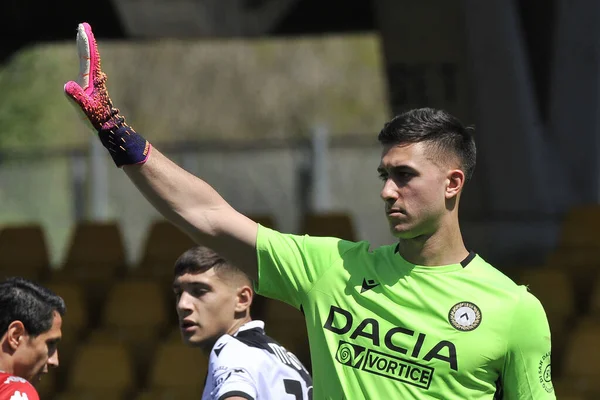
[(198, 291)]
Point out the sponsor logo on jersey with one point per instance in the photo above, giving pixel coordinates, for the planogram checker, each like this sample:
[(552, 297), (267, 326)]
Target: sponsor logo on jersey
[(19, 396), (465, 316), (385, 365), (545, 373), (387, 357)]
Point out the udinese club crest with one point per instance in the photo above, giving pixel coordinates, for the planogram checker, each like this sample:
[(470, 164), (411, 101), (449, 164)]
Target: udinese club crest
[(465, 316)]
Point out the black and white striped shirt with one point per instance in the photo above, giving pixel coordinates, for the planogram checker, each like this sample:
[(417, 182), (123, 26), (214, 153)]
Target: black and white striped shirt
[(252, 365)]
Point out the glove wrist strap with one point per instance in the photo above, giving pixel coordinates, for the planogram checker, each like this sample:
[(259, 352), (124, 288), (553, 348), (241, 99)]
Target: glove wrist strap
[(126, 146)]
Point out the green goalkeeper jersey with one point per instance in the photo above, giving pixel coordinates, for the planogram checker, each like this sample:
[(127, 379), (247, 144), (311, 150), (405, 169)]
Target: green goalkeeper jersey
[(382, 328)]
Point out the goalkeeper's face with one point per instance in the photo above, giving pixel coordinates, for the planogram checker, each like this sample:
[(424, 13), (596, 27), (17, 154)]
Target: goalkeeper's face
[(420, 189), (210, 305)]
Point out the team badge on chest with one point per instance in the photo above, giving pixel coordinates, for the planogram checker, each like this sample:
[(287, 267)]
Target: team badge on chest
[(465, 316)]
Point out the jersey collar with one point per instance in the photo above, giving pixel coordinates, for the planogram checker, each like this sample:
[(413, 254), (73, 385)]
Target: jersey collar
[(463, 263), (251, 325)]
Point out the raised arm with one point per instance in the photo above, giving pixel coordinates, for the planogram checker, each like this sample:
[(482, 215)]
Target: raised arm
[(185, 200)]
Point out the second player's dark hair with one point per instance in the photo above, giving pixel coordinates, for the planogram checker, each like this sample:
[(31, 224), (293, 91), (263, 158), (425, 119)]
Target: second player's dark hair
[(28, 302), (200, 258), (437, 127)]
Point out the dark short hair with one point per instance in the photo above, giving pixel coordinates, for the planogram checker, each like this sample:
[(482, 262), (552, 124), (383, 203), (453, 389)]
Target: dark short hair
[(199, 259), (32, 304), (437, 127)]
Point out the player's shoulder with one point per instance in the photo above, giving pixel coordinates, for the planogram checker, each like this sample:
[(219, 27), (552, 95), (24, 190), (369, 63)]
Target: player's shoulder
[(240, 349), (527, 301), (16, 388), (225, 348), (494, 282), (268, 237), (479, 267)]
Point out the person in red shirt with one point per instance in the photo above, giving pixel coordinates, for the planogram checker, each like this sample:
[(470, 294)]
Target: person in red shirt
[(30, 325)]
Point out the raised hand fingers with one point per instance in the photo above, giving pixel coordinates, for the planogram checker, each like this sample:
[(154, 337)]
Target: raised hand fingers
[(89, 58)]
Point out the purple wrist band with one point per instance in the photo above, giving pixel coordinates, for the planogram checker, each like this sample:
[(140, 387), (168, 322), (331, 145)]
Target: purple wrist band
[(126, 146)]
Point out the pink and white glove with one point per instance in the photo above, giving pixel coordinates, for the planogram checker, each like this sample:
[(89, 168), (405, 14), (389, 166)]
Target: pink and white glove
[(90, 96)]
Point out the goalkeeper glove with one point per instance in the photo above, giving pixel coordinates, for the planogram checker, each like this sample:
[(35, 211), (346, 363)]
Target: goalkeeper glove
[(90, 96)]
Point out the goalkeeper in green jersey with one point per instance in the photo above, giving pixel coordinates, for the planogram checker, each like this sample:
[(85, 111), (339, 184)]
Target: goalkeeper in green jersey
[(421, 319)]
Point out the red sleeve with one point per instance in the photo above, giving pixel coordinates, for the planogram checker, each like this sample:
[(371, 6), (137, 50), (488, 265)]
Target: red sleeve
[(18, 391)]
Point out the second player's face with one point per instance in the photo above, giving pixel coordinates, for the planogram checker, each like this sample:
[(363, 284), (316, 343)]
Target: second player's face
[(414, 189), (35, 354), (206, 307)]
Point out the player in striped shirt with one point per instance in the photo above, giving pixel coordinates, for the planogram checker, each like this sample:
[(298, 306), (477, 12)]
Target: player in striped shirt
[(213, 300)]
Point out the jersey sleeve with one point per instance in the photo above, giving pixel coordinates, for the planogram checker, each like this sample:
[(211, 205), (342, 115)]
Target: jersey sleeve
[(527, 367), (289, 265), (19, 391), (233, 381), (234, 371)]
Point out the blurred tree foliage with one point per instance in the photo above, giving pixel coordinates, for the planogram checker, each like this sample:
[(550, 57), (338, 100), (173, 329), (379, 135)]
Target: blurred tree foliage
[(211, 89), (179, 90), (32, 106)]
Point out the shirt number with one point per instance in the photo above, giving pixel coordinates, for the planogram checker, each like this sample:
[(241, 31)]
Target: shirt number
[(295, 389)]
